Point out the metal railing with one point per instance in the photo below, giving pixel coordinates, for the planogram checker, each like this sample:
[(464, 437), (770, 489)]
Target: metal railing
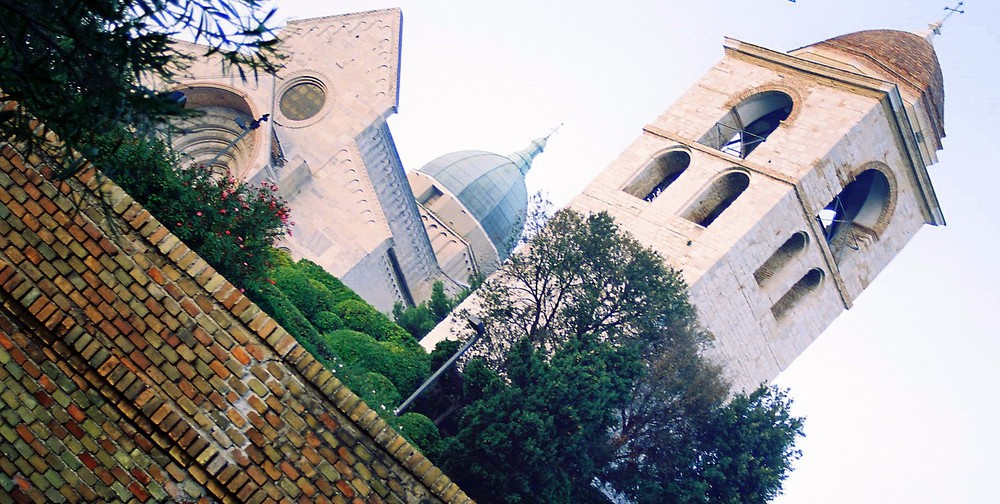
[(735, 141)]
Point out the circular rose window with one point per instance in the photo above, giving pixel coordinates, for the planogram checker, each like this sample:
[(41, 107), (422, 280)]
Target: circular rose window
[(302, 101)]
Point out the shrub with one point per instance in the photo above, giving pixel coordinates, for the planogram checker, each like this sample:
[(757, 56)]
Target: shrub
[(326, 322), (337, 288), (274, 302), (308, 295), (227, 222), (359, 316), (420, 431), (376, 390), (362, 317), (416, 320), (405, 368), (440, 304)]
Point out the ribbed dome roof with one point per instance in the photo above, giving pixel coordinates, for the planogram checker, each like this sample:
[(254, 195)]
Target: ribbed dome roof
[(492, 187), (904, 58)]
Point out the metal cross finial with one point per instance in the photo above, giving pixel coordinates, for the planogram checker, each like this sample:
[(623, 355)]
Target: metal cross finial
[(554, 130), (936, 27)]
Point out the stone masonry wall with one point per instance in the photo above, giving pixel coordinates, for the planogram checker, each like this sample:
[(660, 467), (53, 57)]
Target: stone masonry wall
[(131, 371)]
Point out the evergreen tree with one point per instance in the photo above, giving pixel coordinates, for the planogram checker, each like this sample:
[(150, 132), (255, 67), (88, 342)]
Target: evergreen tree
[(591, 386), (84, 68)]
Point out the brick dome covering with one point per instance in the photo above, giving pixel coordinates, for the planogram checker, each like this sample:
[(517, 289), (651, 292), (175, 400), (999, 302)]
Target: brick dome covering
[(904, 58)]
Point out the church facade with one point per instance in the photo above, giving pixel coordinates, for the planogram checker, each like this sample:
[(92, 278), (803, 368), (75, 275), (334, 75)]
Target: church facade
[(781, 184), (325, 145)]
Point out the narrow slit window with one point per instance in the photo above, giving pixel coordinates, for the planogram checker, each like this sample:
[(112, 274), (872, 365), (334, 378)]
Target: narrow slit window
[(430, 196), (781, 257), (808, 283)]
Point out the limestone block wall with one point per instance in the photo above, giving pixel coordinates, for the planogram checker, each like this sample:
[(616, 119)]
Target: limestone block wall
[(839, 126), (411, 246), (131, 371), (328, 150)]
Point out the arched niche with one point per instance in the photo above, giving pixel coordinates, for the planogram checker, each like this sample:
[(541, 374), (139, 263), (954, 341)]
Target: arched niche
[(792, 247), (212, 137), (658, 174), (719, 195), (749, 123), (858, 212), (807, 284)]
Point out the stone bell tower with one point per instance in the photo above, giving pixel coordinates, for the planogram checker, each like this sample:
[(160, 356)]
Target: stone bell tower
[(781, 184)]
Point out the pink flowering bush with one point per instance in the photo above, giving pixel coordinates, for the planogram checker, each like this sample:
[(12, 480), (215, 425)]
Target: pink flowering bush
[(230, 224)]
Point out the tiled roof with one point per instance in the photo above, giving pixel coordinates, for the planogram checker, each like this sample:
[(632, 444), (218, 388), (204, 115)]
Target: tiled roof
[(131, 371), (902, 57)]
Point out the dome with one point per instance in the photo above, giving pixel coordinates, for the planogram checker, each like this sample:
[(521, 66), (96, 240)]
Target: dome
[(491, 187), (904, 58)]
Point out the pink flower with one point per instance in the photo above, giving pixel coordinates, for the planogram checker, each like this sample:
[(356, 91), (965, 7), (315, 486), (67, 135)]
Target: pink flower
[(198, 214)]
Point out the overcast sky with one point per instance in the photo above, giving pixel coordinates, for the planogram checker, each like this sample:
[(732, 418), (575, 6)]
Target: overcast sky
[(901, 391)]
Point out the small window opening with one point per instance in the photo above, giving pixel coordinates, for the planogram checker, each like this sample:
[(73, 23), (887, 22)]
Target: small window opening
[(785, 253), (429, 196), (856, 210), (655, 177), (717, 198), (808, 283), (749, 124), (397, 272)]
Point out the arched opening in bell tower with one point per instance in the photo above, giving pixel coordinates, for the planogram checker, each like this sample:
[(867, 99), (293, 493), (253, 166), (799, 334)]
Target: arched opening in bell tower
[(749, 123), (658, 174), (856, 211), (719, 196)]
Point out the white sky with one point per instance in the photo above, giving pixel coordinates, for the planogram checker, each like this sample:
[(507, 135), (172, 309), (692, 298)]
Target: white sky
[(901, 392)]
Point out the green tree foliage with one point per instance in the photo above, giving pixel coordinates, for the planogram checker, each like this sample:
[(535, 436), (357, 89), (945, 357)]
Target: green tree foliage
[(750, 446), (361, 316), (328, 322), (420, 431), (540, 434), (442, 399), (316, 272), (405, 368), (581, 276), (374, 388), (378, 360), (276, 304), (230, 224), (656, 442), (83, 67), (309, 295), (421, 319), (416, 320), (591, 386), (440, 304)]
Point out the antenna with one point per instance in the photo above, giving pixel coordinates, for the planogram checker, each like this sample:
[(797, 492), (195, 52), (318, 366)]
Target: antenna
[(936, 27)]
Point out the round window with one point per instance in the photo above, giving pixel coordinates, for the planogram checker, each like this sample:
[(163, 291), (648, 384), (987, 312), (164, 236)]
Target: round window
[(302, 101)]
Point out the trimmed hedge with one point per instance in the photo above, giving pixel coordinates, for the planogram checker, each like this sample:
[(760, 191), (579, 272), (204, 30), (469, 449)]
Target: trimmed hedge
[(360, 316), (420, 431), (375, 390), (405, 368)]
